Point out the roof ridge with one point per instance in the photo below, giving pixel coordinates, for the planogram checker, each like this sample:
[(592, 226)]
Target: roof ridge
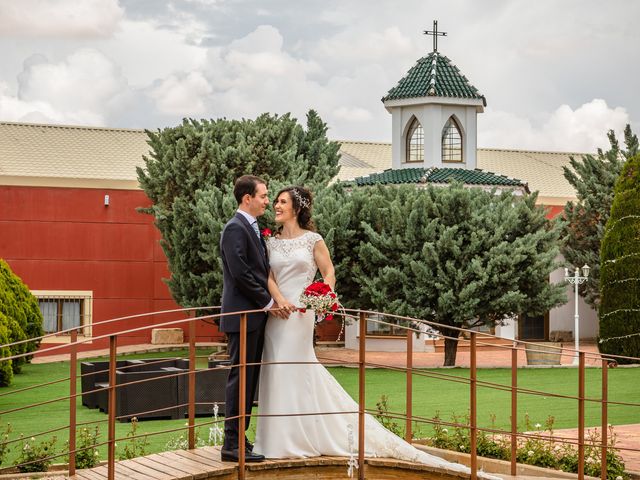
[(74, 127), (552, 152)]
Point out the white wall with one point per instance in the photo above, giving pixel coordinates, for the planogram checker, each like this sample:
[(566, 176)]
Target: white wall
[(432, 117)]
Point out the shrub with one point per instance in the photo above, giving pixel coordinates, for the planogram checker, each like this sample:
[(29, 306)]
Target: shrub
[(542, 452), (382, 407), (87, 455), (136, 446), (21, 318), (35, 457), (620, 268), (4, 445)]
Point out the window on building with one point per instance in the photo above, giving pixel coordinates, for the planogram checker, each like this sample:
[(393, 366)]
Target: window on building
[(61, 312), (415, 142), (384, 329), (451, 142)]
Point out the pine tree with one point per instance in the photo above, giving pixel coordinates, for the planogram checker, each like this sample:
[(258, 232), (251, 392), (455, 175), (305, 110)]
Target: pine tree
[(620, 268), (593, 178), (20, 319), (456, 256), (189, 179)]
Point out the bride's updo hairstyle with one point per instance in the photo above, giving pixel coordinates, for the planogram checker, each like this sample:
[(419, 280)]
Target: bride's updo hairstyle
[(301, 200)]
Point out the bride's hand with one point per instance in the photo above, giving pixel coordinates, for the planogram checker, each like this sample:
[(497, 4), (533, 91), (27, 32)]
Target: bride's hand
[(283, 309)]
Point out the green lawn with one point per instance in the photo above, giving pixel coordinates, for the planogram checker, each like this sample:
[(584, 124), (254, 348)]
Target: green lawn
[(430, 395)]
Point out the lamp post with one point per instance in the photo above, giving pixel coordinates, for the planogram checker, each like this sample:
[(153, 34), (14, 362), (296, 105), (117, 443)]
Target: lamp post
[(577, 280)]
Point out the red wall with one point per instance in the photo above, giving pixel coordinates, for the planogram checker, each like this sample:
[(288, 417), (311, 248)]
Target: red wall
[(67, 239)]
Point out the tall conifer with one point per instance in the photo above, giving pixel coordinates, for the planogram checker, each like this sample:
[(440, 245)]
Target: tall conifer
[(189, 179), (593, 178), (620, 268)]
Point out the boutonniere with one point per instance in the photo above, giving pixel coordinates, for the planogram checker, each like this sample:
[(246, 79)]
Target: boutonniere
[(266, 233)]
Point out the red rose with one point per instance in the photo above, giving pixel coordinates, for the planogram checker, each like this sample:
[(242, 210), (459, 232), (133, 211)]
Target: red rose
[(329, 317), (334, 307), (302, 310), (266, 232)]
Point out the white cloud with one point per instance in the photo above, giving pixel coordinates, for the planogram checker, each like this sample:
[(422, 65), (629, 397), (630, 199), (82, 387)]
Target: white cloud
[(59, 18), (183, 96), (82, 88), (147, 53), (354, 114), (581, 130)]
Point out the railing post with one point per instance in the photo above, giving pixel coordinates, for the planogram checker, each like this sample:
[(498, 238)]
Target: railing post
[(605, 419), (473, 414), (408, 435), (111, 446), (192, 384), (242, 395), (361, 393), (580, 415), (73, 365), (514, 407)]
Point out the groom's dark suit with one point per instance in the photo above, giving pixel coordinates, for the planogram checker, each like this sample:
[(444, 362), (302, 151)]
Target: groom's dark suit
[(245, 273)]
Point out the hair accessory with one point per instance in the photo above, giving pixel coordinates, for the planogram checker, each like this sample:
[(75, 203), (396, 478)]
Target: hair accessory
[(303, 202)]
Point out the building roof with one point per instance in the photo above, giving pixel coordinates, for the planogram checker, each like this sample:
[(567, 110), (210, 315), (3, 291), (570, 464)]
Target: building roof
[(62, 155), (85, 157), (438, 175), (542, 171), (434, 76)]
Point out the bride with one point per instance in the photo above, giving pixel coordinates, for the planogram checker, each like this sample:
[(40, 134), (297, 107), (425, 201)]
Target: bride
[(296, 253)]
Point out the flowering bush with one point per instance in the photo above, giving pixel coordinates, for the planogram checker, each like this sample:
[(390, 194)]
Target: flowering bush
[(35, 455), (87, 455), (136, 446), (4, 446), (542, 452), (319, 297)]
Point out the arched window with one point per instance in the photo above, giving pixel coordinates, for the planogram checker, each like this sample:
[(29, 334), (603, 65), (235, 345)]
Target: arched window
[(415, 142), (451, 142)]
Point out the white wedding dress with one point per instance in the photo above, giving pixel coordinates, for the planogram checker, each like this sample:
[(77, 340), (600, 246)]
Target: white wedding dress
[(310, 388)]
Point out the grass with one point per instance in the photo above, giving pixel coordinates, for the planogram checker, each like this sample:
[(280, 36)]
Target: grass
[(430, 396)]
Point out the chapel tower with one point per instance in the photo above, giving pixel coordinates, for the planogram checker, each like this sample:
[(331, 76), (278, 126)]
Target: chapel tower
[(434, 112)]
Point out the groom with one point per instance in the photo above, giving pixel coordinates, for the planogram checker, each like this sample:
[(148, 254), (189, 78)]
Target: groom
[(245, 273)]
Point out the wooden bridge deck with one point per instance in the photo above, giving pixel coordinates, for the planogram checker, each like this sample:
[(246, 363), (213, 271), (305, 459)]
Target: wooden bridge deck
[(205, 463)]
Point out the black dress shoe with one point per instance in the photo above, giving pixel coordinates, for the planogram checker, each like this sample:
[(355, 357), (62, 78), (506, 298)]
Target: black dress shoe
[(232, 456)]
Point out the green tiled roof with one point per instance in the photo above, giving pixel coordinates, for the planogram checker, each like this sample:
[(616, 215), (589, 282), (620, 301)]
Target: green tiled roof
[(438, 175), (434, 76)]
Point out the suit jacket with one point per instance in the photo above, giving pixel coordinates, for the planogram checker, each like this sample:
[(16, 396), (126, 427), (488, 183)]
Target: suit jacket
[(245, 273)]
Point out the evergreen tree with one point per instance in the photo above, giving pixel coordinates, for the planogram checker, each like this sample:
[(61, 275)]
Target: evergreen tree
[(593, 178), (456, 256), (20, 319), (189, 178), (620, 268)]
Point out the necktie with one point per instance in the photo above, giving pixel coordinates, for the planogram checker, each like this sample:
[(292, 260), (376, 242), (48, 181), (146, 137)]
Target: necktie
[(255, 228)]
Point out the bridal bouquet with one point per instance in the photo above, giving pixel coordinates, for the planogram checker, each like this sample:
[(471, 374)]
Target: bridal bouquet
[(319, 297)]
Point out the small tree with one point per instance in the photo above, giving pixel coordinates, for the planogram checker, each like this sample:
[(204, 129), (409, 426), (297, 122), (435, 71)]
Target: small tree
[(189, 178), (620, 268), (593, 178), (457, 256), (20, 316)]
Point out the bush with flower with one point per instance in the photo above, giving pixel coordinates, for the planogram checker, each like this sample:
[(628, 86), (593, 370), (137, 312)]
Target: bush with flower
[(136, 445), (87, 455), (4, 442), (35, 456), (541, 449)]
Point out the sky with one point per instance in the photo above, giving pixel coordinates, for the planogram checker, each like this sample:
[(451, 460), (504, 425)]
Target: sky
[(557, 75)]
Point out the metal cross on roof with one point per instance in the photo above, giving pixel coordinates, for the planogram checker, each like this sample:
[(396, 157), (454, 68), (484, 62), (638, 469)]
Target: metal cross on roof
[(435, 34)]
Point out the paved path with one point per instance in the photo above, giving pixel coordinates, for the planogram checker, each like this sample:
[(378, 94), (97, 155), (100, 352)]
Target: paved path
[(490, 357)]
